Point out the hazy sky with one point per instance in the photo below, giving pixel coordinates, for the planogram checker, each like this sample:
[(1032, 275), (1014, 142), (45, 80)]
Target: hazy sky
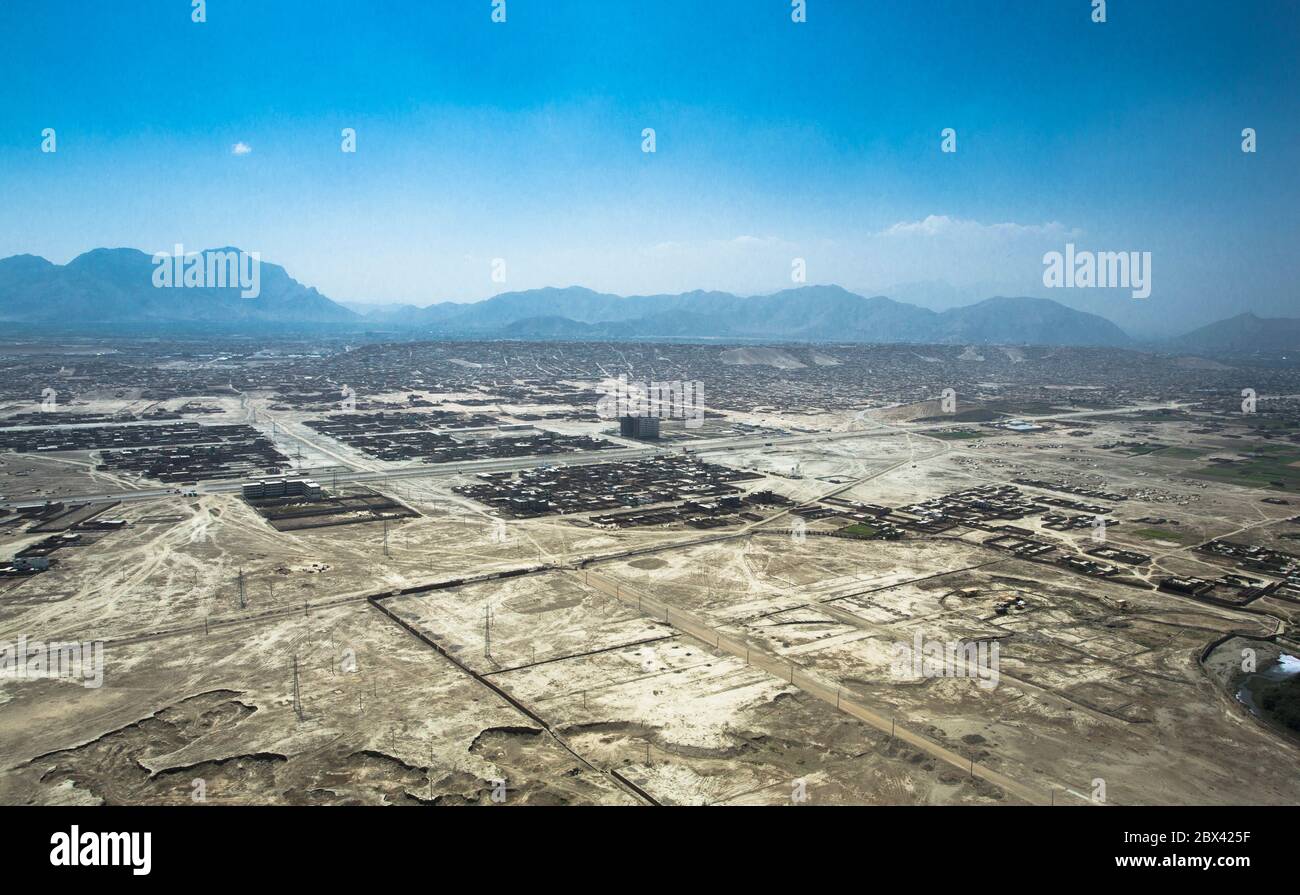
[(775, 140)]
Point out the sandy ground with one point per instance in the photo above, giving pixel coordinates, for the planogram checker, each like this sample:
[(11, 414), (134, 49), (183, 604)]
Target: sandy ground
[(570, 695)]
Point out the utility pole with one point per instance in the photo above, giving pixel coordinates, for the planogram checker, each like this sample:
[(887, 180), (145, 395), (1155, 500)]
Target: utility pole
[(297, 696), (487, 630), (243, 603), (386, 553)]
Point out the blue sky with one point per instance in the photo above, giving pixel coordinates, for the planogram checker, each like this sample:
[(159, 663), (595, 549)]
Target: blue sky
[(775, 140)]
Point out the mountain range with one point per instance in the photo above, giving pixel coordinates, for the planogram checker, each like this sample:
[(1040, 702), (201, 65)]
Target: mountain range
[(113, 289), (1244, 333), (809, 313)]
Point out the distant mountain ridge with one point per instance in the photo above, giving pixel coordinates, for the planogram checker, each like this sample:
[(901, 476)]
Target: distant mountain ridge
[(808, 313), (113, 288), (1244, 333)]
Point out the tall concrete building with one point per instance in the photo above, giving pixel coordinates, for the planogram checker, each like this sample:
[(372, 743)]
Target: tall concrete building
[(642, 427)]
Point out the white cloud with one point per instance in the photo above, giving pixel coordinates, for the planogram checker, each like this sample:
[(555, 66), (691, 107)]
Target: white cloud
[(943, 225), (241, 148)]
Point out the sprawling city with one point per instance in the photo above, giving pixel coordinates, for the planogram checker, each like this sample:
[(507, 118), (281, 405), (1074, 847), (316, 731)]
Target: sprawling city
[(389, 574)]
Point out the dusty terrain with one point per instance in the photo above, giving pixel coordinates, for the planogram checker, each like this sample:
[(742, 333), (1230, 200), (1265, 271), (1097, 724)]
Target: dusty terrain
[(741, 665)]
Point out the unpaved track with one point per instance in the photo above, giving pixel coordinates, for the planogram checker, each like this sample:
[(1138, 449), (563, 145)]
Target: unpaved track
[(520, 706), (829, 693)]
